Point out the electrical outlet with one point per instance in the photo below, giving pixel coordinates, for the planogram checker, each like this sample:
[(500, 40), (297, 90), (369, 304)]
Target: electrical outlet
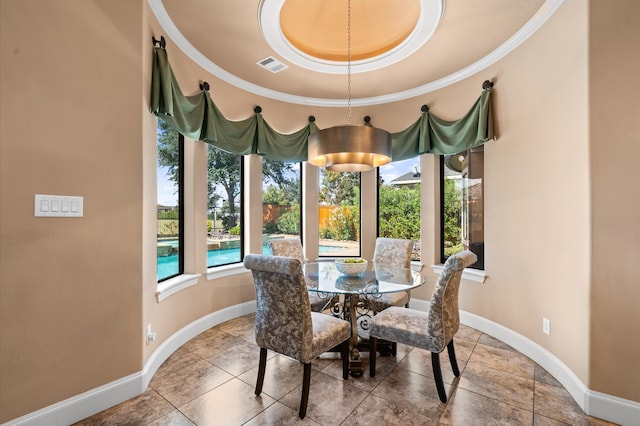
[(151, 335), (546, 326)]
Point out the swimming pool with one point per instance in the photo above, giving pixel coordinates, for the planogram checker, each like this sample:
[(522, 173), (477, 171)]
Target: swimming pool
[(168, 265)]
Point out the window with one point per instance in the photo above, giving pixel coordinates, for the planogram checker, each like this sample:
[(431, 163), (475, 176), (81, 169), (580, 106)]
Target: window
[(339, 213), (462, 209), (170, 258), (281, 200), (224, 219), (399, 202)]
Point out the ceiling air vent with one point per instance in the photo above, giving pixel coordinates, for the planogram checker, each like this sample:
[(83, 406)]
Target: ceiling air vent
[(272, 64)]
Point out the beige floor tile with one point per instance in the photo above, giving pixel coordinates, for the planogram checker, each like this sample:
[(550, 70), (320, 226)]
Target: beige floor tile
[(237, 359), (413, 391), (504, 360), (190, 382), (243, 327), (487, 340), (467, 409), (556, 403), (498, 385), (174, 418), (232, 403), (495, 384), (140, 410), (378, 411), (330, 400), (177, 361), (211, 342), (542, 375), (282, 375), (280, 415), (468, 333), (419, 361)]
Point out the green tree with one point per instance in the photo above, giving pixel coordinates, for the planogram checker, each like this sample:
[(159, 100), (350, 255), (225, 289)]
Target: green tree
[(339, 188), (168, 149), (452, 209), (399, 212), (224, 172)]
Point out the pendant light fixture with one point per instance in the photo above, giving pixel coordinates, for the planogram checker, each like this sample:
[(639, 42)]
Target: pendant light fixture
[(349, 148)]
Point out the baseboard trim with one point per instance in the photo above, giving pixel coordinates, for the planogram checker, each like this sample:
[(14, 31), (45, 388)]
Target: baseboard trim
[(597, 404), (95, 400), (71, 410)]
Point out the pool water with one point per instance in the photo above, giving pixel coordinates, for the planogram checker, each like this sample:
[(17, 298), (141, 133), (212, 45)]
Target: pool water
[(168, 265)]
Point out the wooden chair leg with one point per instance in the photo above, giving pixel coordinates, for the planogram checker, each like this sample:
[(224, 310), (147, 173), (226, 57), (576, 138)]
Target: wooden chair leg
[(373, 349), (437, 375), (306, 382), (261, 368), (344, 354), (452, 358)]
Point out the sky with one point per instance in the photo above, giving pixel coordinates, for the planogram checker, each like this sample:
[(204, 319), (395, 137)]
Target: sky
[(167, 195)]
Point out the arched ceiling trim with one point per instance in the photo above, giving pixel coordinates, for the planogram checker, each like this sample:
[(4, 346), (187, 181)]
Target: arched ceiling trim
[(547, 9)]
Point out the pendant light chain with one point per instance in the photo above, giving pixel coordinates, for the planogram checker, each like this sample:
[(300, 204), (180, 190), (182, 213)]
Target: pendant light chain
[(349, 59)]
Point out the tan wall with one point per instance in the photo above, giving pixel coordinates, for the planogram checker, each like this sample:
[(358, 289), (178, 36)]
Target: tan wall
[(614, 116), (76, 295), (70, 299), (536, 189)]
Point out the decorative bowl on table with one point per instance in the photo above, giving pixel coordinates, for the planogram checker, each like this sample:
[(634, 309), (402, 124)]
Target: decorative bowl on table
[(351, 266)]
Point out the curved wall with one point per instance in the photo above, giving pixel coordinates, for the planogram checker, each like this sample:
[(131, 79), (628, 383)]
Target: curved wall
[(76, 295)]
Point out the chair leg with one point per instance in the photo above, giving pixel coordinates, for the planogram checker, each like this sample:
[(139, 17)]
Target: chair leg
[(452, 358), (437, 375), (306, 382), (344, 354), (261, 368), (373, 349), (394, 349)]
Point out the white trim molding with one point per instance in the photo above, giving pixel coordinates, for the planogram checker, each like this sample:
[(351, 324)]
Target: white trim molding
[(86, 404), (547, 9), (608, 407), (225, 271), (71, 410), (174, 285)]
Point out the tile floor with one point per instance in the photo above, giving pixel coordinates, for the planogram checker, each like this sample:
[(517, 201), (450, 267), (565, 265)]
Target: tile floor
[(210, 381)]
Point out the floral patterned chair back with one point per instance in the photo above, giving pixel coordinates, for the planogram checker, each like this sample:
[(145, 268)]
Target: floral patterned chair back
[(393, 251), (292, 247), (288, 247), (444, 316), (431, 330), (285, 323), (283, 315)]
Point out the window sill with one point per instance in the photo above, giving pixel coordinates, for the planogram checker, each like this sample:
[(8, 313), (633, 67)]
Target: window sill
[(468, 274), (225, 271), (174, 285)]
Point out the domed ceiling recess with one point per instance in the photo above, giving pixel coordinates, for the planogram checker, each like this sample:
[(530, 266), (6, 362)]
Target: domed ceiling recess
[(400, 48)]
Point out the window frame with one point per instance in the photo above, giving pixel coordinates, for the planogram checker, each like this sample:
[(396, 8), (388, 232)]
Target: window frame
[(330, 256), (181, 227), (240, 212), (301, 180), (379, 185), (479, 265)]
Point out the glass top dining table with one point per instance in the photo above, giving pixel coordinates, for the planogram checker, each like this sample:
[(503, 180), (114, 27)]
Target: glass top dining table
[(324, 277), (358, 296)]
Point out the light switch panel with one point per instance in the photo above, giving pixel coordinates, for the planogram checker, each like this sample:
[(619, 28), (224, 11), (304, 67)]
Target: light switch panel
[(58, 206)]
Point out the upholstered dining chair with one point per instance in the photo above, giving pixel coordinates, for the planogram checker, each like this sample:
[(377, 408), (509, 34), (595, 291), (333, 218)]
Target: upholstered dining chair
[(432, 330), (391, 252), (292, 247), (285, 323)]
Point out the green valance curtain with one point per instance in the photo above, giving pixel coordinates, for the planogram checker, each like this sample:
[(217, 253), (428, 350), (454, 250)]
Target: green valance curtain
[(198, 118)]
